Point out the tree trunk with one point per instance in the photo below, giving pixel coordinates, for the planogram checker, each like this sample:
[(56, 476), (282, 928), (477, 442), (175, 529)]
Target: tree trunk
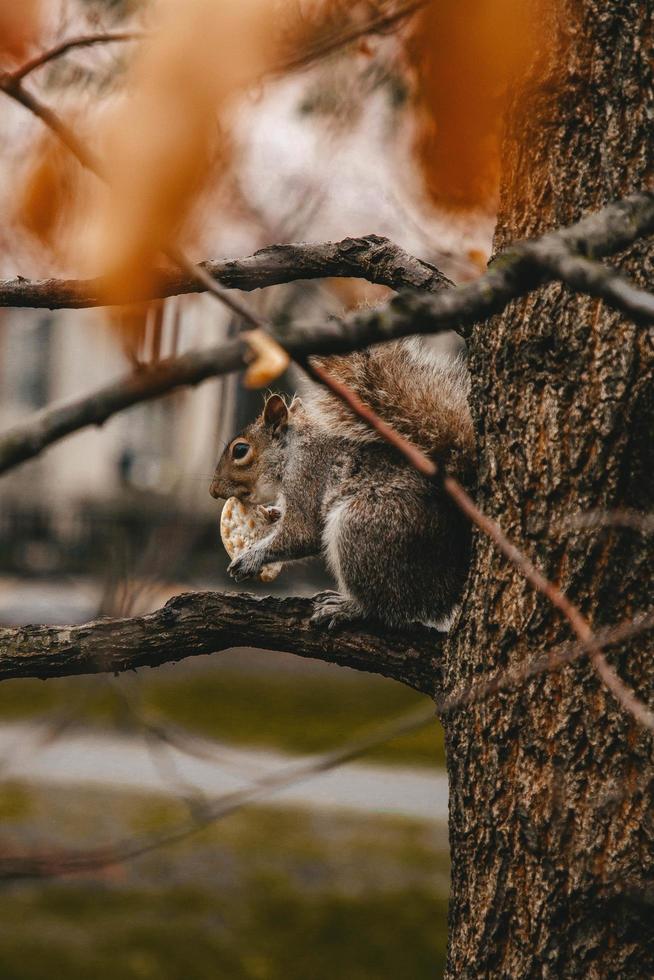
[(551, 813)]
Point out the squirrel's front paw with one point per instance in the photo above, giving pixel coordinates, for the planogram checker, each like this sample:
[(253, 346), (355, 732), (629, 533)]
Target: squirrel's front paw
[(245, 566)]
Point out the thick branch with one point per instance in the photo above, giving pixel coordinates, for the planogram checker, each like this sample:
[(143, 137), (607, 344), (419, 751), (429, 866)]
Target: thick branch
[(517, 272), (373, 258), (208, 622), (514, 273)]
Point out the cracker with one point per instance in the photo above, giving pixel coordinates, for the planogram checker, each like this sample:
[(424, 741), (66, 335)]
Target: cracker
[(241, 526)]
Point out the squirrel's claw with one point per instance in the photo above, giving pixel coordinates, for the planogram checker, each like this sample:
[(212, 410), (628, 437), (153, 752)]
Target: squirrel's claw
[(331, 609), (245, 566)]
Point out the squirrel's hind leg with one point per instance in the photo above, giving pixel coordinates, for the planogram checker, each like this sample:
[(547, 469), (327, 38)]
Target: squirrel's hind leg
[(333, 609)]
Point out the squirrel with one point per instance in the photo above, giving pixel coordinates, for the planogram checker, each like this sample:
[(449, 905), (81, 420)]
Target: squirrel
[(396, 543)]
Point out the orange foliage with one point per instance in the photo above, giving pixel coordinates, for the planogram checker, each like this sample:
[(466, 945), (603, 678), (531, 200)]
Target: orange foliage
[(160, 140), (20, 22), (466, 53), (44, 202)]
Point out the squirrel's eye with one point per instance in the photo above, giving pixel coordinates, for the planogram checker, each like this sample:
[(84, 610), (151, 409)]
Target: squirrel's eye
[(240, 450)]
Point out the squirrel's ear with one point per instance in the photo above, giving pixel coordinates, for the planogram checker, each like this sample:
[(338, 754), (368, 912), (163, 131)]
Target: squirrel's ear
[(295, 404), (275, 413)]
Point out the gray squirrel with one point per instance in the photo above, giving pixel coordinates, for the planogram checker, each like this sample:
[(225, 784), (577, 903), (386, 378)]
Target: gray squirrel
[(395, 542)]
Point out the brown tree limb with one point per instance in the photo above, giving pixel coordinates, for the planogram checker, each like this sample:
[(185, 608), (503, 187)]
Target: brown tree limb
[(412, 312), (371, 257), (426, 307), (27, 439), (208, 622)]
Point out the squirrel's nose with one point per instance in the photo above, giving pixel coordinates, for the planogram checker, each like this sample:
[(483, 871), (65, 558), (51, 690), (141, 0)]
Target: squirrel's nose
[(214, 490)]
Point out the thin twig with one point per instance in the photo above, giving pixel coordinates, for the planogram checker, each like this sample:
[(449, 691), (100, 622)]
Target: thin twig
[(35, 865), (88, 159), (382, 22), (379, 24), (622, 693), (58, 50), (633, 520), (415, 456), (555, 658)]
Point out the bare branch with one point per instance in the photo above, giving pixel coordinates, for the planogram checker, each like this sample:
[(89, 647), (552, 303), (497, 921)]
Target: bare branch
[(61, 129), (385, 20), (412, 312), (371, 257), (426, 306), (623, 694), (54, 862), (586, 276), (28, 439), (81, 41), (208, 622)]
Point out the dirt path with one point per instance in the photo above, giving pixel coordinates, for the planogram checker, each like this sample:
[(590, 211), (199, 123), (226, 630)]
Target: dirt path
[(105, 759)]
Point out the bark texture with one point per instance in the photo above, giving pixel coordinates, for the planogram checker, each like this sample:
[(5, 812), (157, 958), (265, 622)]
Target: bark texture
[(373, 258), (552, 816), (196, 623), (428, 307)]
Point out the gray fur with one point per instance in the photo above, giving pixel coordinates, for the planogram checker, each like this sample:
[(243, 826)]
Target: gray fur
[(396, 544)]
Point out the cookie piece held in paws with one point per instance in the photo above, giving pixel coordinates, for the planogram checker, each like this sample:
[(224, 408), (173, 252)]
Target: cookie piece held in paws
[(241, 526)]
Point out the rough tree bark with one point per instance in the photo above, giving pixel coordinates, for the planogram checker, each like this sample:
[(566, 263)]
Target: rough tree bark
[(551, 823), (195, 623)]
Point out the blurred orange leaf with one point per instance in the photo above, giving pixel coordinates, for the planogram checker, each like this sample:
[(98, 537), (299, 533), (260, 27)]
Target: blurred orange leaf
[(268, 360), (466, 52), (160, 140), (20, 25), (45, 199)]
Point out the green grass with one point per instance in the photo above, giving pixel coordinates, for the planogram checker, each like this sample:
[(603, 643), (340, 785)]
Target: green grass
[(268, 894), (310, 710), (79, 932)]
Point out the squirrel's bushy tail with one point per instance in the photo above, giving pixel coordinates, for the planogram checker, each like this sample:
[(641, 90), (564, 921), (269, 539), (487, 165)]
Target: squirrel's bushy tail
[(422, 394)]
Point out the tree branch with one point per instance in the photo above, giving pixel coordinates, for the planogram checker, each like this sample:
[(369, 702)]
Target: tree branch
[(81, 41), (208, 622), (373, 258), (27, 439), (513, 274)]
